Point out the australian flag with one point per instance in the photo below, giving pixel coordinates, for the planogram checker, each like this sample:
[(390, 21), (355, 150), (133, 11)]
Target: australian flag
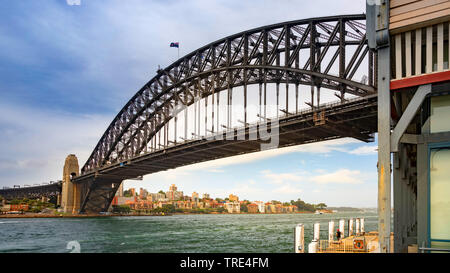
[(175, 44)]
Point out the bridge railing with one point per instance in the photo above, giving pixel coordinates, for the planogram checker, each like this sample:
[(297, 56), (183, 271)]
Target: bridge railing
[(26, 186)]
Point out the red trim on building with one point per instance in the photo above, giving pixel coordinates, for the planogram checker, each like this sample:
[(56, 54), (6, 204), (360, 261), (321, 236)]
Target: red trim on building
[(420, 80)]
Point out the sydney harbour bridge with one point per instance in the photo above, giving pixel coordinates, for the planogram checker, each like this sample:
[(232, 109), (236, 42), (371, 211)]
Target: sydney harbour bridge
[(241, 94)]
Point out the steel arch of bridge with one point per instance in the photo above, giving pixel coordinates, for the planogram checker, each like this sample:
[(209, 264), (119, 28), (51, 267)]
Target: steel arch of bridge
[(249, 57)]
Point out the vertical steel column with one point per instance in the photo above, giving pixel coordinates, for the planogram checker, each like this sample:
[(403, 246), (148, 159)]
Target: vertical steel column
[(195, 105), (206, 112), (199, 96), (265, 51), (260, 90), (185, 114), (230, 89), (175, 120), (318, 69), (245, 77), (384, 127), (278, 84), (312, 57), (159, 131), (287, 41), (342, 55), (297, 65), (146, 135), (214, 84), (218, 110)]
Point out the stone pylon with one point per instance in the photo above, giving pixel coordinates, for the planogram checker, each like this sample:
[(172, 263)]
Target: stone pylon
[(71, 197)]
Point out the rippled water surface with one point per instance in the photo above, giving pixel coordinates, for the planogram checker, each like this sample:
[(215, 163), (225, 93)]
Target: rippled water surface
[(244, 233)]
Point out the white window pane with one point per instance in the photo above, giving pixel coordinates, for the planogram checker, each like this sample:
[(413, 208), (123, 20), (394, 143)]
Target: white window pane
[(440, 194), (440, 114)]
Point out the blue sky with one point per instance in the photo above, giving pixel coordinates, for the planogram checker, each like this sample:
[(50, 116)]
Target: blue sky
[(66, 70)]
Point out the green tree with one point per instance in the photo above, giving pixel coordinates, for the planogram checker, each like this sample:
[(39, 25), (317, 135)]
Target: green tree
[(127, 193), (321, 205), (169, 208), (220, 209), (244, 208), (303, 206), (121, 209), (162, 192)]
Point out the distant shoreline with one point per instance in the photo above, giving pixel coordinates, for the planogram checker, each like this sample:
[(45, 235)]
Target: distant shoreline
[(37, 215)]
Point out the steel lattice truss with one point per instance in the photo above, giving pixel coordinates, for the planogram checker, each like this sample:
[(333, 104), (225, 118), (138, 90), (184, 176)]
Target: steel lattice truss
[(280, 53), (49, 190)]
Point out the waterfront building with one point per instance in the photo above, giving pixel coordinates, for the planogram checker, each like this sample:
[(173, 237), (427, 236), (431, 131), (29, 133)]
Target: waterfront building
[(195, 196), (278, 208), (233, 198), (261, 206), (233, 207), (156, 197), (252, 208), (293, 208), (270, 208), (143, 193), (132, 191), (143, 205), (173, 194), (206, 196), (118, 201)]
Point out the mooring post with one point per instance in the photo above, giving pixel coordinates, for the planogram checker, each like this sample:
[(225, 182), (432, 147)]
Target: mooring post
[(314, 245), (362, 227), (342, 227), (299, 239), (331, 231), (358, 227), (350, 227)]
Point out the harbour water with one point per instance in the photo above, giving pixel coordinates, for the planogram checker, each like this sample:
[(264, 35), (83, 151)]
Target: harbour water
[(211, 233)]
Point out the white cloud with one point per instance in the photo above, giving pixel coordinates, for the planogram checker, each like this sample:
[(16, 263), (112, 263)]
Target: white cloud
[(73, 2), (342, 176), (288, 189), (364, 150), (36, 142), (280, 178)]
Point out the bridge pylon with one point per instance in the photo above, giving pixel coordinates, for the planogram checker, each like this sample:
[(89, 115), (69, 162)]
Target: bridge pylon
[(71, 192)]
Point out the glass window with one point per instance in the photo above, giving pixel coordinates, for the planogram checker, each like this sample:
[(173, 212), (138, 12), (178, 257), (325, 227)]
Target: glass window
[(440, 114), (440, 197)]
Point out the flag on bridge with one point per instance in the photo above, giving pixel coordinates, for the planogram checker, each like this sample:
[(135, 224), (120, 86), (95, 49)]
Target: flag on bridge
[(175, 44)]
